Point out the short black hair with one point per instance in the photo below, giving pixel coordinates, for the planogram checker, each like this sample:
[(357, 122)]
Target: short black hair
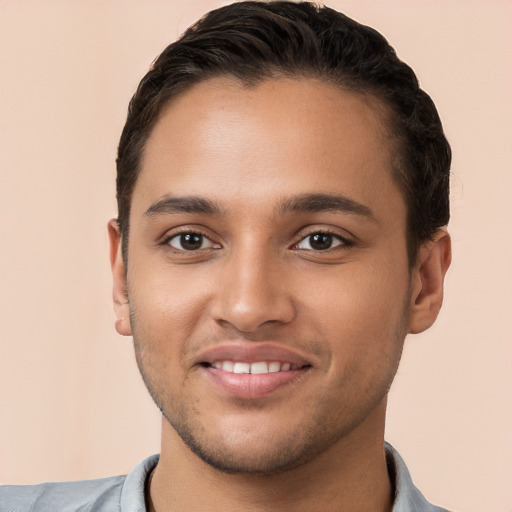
[(253, 41)]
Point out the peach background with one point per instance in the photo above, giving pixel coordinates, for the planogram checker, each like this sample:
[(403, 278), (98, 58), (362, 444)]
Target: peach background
[(72, 404)]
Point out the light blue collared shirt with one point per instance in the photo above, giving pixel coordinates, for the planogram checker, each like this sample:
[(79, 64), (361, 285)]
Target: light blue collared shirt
[(126, 493)]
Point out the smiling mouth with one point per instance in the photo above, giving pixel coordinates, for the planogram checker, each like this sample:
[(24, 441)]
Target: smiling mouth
[(258, 367), (252, 380)]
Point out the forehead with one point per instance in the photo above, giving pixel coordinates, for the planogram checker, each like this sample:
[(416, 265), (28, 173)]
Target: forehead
[(234, 143)]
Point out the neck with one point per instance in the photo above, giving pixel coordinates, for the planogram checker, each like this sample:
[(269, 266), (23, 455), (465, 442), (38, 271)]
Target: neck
[(351, 475)]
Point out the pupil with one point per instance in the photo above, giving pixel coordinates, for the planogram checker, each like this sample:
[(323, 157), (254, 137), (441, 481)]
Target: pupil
[(191, 241), (321, 241)]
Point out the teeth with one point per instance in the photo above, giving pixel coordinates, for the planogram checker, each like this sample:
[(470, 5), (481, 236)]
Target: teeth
[(242, 368), (258, 367), (261, 367), (228, 366), (274, 367)]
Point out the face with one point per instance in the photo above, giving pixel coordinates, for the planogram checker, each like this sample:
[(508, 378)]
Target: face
[(267, 275)]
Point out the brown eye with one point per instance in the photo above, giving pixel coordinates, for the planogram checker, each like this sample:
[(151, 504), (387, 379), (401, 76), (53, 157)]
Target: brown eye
[(319, 242), (190, 242)]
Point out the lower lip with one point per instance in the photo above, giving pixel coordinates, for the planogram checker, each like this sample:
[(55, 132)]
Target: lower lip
[(252, 385)]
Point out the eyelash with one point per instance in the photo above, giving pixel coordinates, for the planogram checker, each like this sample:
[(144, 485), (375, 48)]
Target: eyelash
[(344, 242), (167, 240)]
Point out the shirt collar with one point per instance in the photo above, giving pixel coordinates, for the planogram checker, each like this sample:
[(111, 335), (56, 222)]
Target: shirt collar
[(408, 498), (132, 493)]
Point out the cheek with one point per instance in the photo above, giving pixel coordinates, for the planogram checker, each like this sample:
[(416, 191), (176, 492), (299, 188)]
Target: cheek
[(360, 305), (167, 304)]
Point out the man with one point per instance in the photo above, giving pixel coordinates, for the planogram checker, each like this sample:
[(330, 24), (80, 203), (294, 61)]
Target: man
[(283, 196)]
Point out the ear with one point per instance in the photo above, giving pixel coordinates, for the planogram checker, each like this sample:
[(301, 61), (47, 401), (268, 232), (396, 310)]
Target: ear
[(120, 294), (427, 281)]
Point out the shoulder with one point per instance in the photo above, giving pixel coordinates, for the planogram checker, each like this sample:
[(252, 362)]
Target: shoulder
[(112, 494), (87, 495)]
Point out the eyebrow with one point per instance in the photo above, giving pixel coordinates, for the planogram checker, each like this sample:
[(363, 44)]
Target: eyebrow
[(188, 204), (304, 203), (315, 203)]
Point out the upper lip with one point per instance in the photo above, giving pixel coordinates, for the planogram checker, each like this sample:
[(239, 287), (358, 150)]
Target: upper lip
[(251, 352)]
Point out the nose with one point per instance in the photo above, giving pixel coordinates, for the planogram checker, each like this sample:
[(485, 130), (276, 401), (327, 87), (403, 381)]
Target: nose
[(253, 291)]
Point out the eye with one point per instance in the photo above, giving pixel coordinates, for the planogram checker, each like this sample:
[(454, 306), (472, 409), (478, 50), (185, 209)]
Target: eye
[(320, 242), (190, 242)]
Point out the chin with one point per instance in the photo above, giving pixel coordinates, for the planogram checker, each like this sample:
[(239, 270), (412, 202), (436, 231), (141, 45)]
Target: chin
[(243, 457), (245, 449)]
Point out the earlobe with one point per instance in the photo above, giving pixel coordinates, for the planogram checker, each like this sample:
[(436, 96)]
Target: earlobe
[(120, 295), (428, 281)]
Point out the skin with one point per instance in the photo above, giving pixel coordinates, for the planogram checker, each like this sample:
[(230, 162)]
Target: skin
[(315, 442)]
